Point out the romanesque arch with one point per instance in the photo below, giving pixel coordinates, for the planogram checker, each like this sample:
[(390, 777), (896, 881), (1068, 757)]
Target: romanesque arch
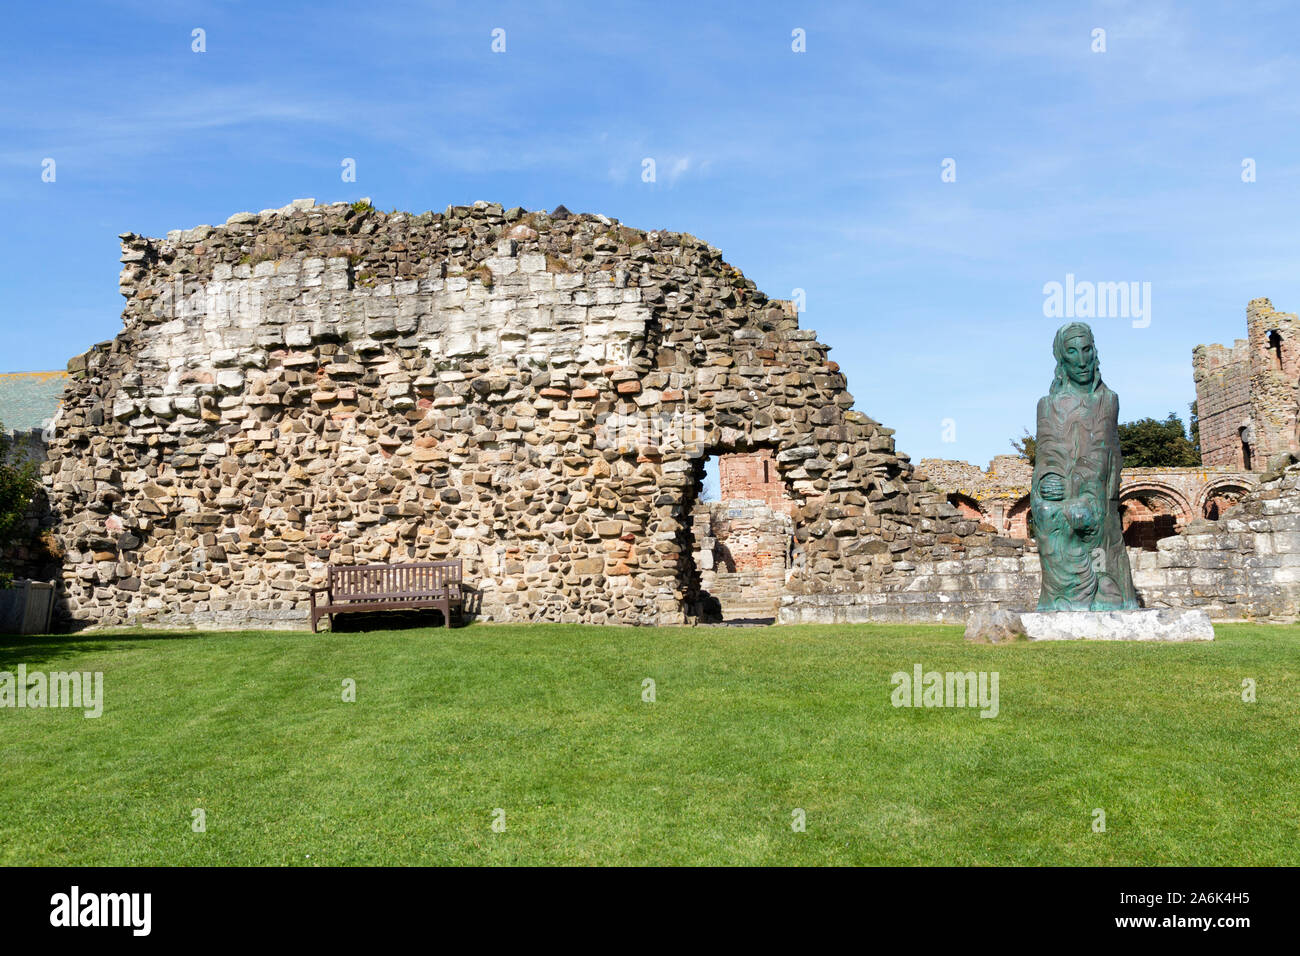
[(1218, 496), (1018, 520), (967, 507), (1151, 511)]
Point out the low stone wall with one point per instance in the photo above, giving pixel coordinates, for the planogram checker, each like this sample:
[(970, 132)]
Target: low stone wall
[(934, 591), (1245, 566), (1154, 502)]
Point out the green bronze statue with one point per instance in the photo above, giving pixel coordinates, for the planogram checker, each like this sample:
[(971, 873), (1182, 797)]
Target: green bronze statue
[(1075, 493)]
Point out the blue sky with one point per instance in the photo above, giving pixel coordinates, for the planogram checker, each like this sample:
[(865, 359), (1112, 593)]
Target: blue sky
[(818, 170)]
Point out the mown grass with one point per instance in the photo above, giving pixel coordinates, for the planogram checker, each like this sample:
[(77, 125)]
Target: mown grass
[(547, 722)]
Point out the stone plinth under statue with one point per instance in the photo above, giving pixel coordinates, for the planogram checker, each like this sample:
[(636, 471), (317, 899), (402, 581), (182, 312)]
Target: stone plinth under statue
[(1143, 624)]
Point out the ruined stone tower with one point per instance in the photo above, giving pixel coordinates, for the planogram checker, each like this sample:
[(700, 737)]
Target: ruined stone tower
[(1246, 394)]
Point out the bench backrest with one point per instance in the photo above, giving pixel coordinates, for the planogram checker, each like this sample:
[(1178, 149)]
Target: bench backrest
[(372, 582)]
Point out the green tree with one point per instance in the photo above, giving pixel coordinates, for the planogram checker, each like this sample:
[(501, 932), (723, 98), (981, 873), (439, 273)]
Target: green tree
[(1026, 445), (1195, 418), (18, 486), (1150, 443)]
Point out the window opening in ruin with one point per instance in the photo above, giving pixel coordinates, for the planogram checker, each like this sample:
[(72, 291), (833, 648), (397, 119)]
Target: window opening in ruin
[(741, 539), (710, 490), (1245, 452), (1220, 499), (1147, 517), (967, 507), (1019, 521), (1275, 343)]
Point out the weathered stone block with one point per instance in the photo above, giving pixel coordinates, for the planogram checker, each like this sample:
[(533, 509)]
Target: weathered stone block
[(1146, 624)]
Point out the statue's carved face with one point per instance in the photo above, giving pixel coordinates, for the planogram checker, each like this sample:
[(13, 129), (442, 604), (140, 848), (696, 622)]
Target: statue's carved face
[(1080, 359)]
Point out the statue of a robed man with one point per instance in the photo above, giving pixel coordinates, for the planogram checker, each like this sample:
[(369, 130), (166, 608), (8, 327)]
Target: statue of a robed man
[(1075, 492)]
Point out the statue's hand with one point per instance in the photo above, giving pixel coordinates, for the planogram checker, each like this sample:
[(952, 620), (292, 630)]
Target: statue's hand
[(1081, 517), (1052, 487)]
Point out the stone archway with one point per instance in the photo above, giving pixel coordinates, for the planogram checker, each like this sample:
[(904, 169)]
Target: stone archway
[(740, 548), (1150, 512), (967, 506), (1219, 496), (1018, 522)]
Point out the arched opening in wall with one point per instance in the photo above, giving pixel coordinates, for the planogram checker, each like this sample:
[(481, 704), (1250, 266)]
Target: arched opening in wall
[(967, 507), (1219, 498), (1149, 514), (740, 542), (1019, 520), (1245, 448), (1275, 345)]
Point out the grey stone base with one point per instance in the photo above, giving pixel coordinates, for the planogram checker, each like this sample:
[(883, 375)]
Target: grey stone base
[(1148, 624)]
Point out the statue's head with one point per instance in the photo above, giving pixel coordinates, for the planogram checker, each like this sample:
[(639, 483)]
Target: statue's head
[(1076, 357)]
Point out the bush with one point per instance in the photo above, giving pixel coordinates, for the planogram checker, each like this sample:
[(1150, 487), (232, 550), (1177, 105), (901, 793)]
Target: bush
[(18, 486)]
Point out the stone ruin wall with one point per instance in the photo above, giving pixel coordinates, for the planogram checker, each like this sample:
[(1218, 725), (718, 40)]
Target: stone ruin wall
[(534, 394), (1246, 394), (1273, 340), (1154, 502), (1243, 566), (745, 551), (1222, 376), (753, 476), (998, 497)]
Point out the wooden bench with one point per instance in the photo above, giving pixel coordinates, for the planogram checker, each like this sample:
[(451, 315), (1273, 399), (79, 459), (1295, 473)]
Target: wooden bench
[(390, 587)]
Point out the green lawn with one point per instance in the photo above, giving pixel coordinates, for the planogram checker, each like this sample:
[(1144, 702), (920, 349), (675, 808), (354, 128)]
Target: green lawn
[(547, 723)]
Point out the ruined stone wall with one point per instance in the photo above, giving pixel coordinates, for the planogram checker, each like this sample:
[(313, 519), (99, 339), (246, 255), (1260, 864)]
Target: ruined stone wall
[(1273, 340), (1154, 502), (534, 394), (1186, 494), (753, 476), (1244, 566), (1222, 377), (1007, 476), (998, 497), (745, 535), (744, 552)]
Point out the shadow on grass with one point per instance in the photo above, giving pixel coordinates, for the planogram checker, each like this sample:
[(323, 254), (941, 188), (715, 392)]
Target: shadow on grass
[(362, 621), (31, 649)]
